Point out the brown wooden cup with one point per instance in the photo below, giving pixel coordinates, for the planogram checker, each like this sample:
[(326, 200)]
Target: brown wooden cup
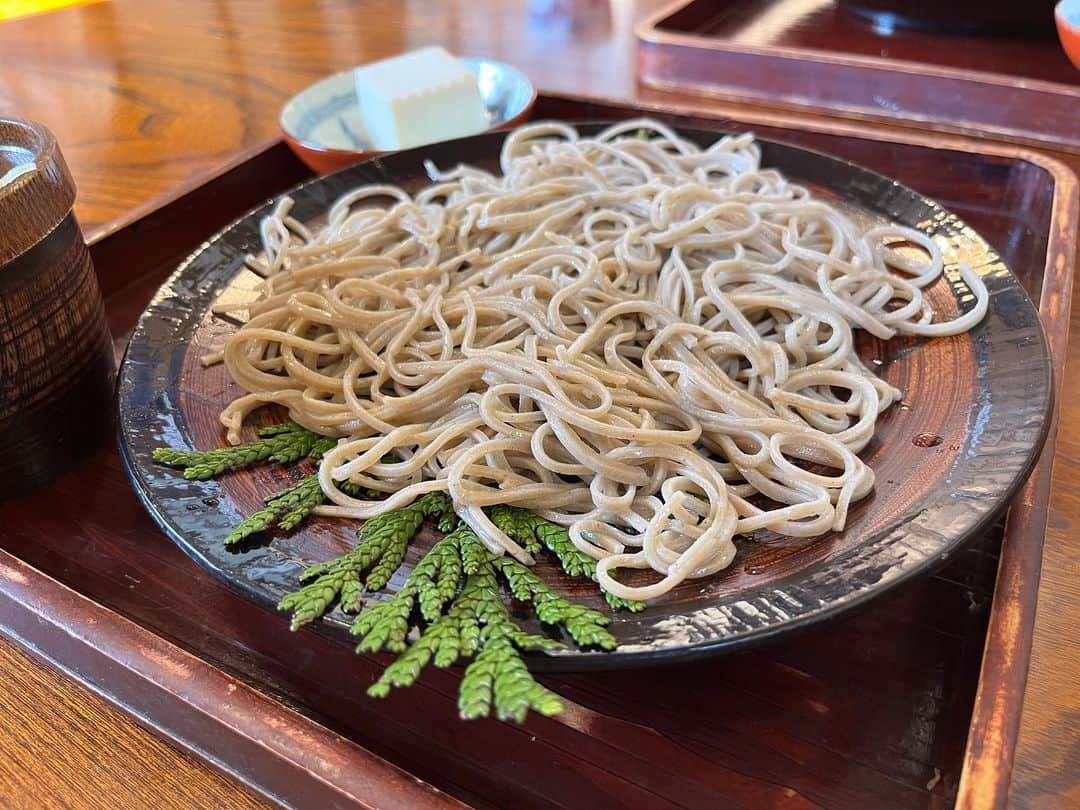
[(56, 356)]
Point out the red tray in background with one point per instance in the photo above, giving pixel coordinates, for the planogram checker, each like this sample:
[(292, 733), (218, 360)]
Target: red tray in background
[(872, 709), (816, 55)]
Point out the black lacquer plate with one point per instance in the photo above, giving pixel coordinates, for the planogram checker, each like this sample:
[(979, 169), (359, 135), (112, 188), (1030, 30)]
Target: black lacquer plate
[(947, 458)]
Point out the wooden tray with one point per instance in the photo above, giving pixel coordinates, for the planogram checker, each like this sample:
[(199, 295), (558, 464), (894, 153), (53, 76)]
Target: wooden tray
[(874, 708), (818, 55)]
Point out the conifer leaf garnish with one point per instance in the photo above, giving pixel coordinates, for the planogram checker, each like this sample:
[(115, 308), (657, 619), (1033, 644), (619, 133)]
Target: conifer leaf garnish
[(455, 598)]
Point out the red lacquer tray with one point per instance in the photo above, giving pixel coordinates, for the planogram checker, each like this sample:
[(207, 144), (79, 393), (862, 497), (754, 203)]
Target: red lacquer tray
[(873, 709), (818, 56)]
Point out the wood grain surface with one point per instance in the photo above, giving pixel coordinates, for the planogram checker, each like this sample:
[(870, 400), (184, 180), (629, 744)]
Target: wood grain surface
[(36, 188), (150, 100), (49, 303), (57, 365), (62, 745)]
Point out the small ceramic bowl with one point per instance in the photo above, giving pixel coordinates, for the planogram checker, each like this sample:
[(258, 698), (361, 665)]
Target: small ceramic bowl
[(1067, 17), (322, 123)]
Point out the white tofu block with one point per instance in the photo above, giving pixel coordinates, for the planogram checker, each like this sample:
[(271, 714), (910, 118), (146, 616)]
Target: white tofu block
[(420, 97)]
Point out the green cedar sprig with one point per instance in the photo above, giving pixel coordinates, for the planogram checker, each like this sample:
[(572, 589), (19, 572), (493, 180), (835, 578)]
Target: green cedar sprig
[(383, 543), (585, 626), (498, 677), (455, 587), (432, 583), (476, 623), (285, 443), (436, 577), (287, 509), (532, 531)]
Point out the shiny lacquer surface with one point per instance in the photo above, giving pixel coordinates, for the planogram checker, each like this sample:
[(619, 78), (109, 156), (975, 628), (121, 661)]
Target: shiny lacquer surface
[(825, 26), (150, 100)]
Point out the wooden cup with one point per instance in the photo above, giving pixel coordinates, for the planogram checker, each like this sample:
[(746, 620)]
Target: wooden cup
[(56, 355)]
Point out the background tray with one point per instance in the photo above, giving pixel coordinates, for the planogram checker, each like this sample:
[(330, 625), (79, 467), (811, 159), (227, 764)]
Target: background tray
[(868, 710), (820, 56)]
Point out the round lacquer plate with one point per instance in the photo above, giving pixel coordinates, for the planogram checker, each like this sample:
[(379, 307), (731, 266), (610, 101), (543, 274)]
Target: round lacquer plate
[(947, 458)]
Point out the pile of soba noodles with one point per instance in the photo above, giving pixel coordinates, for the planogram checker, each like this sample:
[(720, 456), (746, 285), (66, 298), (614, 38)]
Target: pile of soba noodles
[(644, 341)]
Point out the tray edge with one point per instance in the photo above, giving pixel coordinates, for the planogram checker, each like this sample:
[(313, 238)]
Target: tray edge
[(146, 676), (653, 43), (992, 736), (788, 120)]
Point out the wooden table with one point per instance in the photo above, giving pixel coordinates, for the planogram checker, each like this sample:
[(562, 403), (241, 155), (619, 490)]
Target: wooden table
[(62, 744), (151, 99)]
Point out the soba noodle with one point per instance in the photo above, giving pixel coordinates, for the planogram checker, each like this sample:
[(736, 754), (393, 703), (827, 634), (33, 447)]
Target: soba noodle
[(644, 341)]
